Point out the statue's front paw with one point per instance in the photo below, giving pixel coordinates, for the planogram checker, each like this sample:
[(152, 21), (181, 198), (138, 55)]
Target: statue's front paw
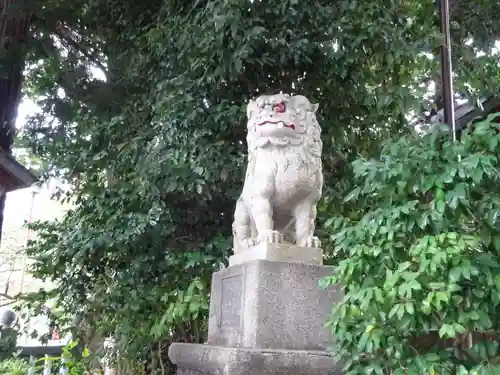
[(313, 242), (274, 236), (250, 242), (243, 244)]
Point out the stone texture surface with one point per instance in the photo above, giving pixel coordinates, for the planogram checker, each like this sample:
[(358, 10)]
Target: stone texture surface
[(271, 305), (284, 178), (187, 371), (195, 359), (278, 252)]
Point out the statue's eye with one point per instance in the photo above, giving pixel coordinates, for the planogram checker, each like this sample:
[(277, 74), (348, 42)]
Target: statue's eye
[(280, 108)]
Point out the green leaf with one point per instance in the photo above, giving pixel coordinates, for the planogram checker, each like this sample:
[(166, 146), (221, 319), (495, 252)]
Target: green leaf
[(409, 308), (459, 328), (447, 331), (353, 195)]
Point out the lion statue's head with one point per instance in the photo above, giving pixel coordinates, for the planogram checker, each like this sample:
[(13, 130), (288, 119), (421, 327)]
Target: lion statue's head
[(283, 120)]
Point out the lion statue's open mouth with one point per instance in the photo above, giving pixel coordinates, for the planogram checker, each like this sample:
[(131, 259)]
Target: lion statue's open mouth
[(284, 178), (277, 123)]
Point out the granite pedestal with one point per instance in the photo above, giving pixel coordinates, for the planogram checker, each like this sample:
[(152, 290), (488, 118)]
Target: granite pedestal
[(266, 318), (278, 252), (194, 359)]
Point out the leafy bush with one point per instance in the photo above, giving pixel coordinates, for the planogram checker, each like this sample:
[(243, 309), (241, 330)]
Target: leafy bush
[(14, 367), (8, 341), (18, 366), (421, 262)]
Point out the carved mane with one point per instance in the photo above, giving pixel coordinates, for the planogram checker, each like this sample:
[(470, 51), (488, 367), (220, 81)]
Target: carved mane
[(309, 145)]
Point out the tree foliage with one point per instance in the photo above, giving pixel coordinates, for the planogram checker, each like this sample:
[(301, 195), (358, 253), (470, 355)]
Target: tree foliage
[(155, 152), (422, 261), (14, 367)]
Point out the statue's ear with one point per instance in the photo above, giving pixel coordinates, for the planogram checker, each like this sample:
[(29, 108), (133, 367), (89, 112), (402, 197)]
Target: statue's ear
[(301, 101), (251, 108)]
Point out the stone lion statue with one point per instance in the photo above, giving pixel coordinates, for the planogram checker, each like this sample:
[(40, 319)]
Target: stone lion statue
[(284, 178)]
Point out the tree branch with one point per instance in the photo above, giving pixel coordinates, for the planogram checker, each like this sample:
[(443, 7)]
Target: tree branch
[(6, 303), (8, 296), (66, 38), (13, 270)]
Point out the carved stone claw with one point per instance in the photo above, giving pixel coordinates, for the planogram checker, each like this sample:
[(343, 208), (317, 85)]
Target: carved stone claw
[(249, 242), (313, 242), (274, 236)]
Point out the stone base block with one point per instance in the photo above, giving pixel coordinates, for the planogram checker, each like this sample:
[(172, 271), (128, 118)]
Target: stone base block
[(196, 359), (271, 305), (278, 252)]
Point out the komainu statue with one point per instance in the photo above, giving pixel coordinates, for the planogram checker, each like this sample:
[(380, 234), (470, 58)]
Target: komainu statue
[(284, 176)]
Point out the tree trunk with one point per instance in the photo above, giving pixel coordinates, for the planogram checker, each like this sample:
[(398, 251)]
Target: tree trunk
[(14, 24)]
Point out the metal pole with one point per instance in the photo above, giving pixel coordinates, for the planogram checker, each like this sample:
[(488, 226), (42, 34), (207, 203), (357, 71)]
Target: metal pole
[(3, 198), (446, 68)]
